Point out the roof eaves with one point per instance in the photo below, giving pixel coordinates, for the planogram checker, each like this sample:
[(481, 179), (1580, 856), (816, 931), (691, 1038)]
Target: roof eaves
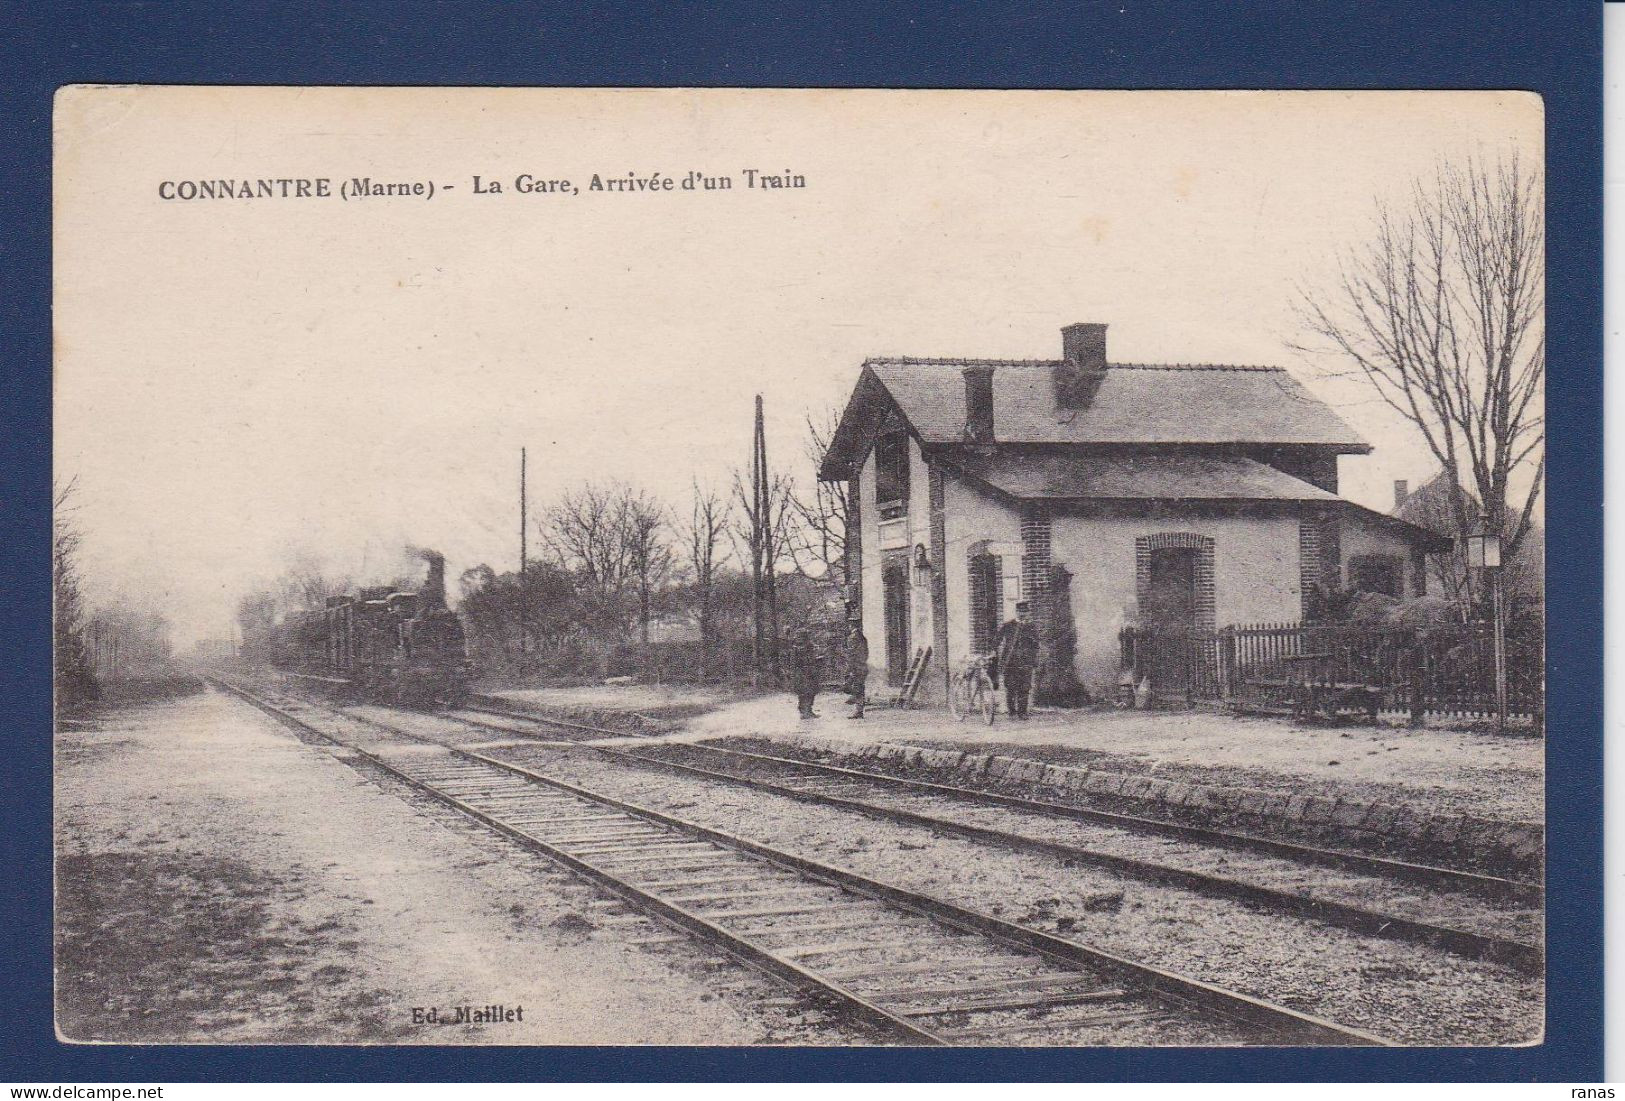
[(955, 361), (835, 468), (836, 464), (971, 361), (1432, 541), (1343, 447)]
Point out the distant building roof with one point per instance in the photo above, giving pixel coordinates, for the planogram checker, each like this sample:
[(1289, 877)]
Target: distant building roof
[(1165, 477), (1429, 505)]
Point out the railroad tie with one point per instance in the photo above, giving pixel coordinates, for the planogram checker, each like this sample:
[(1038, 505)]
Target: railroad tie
[(765, 892), (802, 930), (628, 860), (572, 820), (608, 833), (992, 986), (700, 881), (770, 911), (1056, 1024), (942, 1009), (634, 845), (962, 966), (835, 948)]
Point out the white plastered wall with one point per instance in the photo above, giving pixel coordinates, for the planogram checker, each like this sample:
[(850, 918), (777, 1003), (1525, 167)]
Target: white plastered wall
[(1255, 575), (1361, 535)]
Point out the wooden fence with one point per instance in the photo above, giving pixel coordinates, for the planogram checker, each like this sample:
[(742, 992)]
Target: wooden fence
[(1440, 671)]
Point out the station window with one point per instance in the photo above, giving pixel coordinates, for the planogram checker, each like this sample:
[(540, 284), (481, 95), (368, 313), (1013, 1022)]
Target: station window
[(891, 473), (1378, 573)]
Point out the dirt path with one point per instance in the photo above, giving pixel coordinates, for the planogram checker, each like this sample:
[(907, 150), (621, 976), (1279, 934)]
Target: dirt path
[(219, 881)]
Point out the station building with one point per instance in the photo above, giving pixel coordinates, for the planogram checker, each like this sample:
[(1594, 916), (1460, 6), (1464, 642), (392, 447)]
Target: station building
[(1188, 495)]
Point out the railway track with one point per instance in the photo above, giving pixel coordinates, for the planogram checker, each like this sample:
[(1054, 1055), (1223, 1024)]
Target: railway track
[(1465, 913), (918, 969), (577, 730)]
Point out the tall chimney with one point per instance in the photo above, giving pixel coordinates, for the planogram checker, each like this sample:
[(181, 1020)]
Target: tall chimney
[(979, 403), (1085, 345), (1402, 493), (1083, 365)]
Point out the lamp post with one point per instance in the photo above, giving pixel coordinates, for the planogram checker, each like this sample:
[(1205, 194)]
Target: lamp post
[(922, 564), (1484, 553)]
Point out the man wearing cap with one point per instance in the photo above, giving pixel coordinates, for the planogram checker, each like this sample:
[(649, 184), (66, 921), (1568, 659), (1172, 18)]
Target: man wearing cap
[(1017, 645), (806, 670)]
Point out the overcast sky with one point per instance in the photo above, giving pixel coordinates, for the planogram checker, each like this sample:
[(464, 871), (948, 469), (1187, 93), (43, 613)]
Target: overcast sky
[(242, 381)]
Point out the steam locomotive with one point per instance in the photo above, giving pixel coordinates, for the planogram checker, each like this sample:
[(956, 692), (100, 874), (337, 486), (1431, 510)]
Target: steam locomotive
[(384, 645)]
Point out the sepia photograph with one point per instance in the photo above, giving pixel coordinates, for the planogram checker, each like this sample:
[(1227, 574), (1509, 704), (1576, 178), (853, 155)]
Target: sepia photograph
[(810, 568)]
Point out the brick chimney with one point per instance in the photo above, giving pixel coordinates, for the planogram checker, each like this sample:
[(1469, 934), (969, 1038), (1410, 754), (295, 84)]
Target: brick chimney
[(979, 403), (1402, 493), (1083, 364), (1085, 345)]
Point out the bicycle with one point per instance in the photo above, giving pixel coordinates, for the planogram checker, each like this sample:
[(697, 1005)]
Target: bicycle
[(973, 690)]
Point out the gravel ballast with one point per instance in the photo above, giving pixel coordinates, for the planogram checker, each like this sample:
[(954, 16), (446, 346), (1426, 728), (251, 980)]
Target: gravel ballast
[(1410, 993)]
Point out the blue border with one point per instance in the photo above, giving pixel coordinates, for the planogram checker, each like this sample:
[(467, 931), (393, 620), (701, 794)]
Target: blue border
[(1553, 48)]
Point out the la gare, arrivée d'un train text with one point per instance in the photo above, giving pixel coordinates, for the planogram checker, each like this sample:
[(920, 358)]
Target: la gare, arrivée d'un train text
[(525, 183)]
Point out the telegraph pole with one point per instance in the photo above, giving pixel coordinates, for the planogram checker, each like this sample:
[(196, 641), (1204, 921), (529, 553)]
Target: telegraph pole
[(759, 650), (524, 594), (769, 545)]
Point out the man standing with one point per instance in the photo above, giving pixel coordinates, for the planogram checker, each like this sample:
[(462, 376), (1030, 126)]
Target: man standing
[(857, 667), (1018, 657), (806, 670)]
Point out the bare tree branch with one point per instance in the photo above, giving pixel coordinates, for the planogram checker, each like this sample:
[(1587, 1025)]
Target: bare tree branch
[(1443, 312), (822, 512), (709, 516), (614, 538)]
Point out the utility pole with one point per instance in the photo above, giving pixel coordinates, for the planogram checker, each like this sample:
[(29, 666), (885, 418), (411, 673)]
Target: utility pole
[(1484, 555), (769, 545), (758, 648), (524, 593), (1500, 652)]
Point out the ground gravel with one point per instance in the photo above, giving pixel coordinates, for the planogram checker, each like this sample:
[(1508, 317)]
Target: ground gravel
[(1409, 993), (218, 881), (1439, 906)]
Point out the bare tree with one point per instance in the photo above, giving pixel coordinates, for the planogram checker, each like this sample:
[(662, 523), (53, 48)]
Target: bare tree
[(764, 531), (1443, 312), (644, 523), (822, 513), (584, 534), (75, 680), (613, 537), (707, 526), (778, 520), (306, 583)]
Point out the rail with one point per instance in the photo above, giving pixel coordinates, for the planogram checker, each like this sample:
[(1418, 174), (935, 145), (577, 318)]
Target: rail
[(625, 856)]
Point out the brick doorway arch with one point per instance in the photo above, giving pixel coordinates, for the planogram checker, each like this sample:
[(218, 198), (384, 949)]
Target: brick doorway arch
[(1173, 580)]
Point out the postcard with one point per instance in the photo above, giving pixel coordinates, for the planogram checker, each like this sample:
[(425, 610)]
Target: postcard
[(749, 567)]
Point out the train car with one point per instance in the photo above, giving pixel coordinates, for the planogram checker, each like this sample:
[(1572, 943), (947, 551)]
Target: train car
[(380, 644)]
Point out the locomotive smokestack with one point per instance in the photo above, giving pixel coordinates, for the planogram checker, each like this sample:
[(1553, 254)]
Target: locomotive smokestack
[(433, 593)]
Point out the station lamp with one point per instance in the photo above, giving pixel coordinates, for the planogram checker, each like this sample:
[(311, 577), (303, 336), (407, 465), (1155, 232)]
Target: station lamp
[(1484, 548), (922, 564), (1484, 553)]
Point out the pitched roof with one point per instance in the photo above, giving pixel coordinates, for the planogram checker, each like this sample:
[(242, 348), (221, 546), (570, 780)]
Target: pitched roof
[(1153, 476), (1136, 403), (1134, 477), (1429, 504)]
